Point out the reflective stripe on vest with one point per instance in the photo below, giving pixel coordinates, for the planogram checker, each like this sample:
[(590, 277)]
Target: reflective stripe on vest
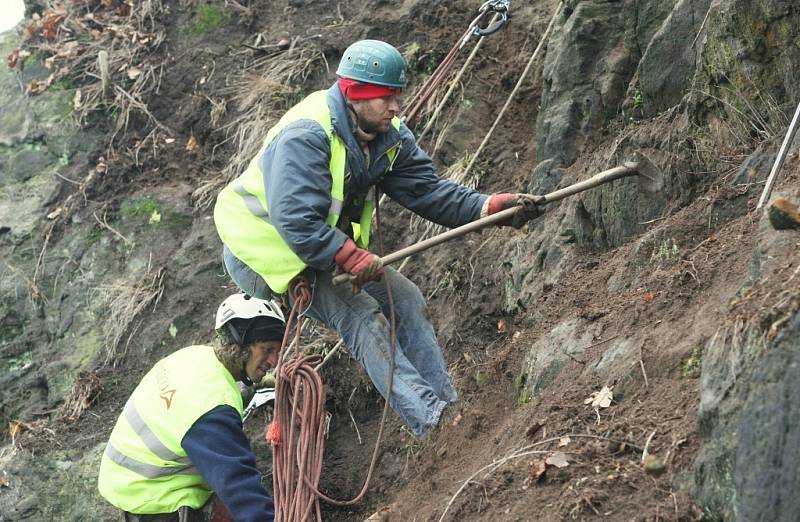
[(242, 217), (182, 464), (144, 468)]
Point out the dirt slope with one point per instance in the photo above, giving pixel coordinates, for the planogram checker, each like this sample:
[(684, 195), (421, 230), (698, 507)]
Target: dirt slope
[(608, 290)]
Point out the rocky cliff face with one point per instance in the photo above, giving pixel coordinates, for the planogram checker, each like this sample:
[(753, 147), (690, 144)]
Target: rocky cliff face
[(723, 75)]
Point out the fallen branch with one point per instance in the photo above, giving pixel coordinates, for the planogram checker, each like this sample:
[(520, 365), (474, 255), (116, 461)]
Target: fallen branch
[(491, 467)]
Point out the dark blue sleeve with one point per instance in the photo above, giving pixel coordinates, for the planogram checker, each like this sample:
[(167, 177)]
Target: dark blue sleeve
[(219, 448), (414, 184)]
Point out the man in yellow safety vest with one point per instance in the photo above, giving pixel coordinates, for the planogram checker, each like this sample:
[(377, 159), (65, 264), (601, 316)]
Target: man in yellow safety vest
[(178, 452), (304, 206)]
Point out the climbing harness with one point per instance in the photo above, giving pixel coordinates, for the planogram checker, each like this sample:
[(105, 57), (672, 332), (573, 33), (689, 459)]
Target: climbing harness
[(297, 432), (498, 11)]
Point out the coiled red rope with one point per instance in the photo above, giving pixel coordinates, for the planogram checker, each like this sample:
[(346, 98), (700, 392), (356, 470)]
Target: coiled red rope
[(297, 432)]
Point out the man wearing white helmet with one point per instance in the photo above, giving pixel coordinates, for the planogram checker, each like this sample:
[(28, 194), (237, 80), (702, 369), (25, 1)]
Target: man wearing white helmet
[(178, 451)]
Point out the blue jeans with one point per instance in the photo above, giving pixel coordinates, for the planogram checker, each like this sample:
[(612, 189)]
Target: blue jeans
[(421, 386)]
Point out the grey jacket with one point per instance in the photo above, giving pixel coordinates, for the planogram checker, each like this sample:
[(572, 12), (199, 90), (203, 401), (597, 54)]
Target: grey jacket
[(298, 182)]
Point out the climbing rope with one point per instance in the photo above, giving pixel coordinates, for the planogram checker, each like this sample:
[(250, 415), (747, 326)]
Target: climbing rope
[(514, 91), (498, 9), (297, 432)]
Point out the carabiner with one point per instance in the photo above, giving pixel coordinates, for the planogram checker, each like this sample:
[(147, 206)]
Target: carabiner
[(499, 7)]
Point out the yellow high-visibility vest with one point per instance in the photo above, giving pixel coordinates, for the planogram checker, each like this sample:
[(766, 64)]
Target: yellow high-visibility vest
[(144, 469), (242, 217)]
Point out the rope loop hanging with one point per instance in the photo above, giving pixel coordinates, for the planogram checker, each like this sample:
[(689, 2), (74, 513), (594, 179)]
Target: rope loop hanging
[(298, 430), (498, 10)]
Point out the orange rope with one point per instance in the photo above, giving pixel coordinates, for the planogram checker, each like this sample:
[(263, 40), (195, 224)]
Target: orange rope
[(297, 432)]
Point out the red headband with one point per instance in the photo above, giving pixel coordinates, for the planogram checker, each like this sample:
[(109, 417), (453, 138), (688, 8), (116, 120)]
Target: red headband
[(356, 90)]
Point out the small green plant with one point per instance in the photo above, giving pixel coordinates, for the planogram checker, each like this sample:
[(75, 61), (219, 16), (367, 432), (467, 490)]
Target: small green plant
[(207, 18), (690, 368), (637, 98), (413, 444), (431, 63), (17, 363), (144, 206), (64, 84), (524, 394), (664, 251)]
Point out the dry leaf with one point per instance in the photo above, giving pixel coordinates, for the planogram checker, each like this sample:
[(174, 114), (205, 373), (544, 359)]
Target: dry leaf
[(191, 145), (54, 214), (533, 429), (15, 56), (648, 296), (30, 31), (502, 326), (67, 50), (654, 465), (600, 399), (563, 441), (50, 25), (538, 467), (558, 459), (101, 167), (134, 72), (77, 100), (4, 483), (169, 140), (16, 427), (382, 515), (36, 87)]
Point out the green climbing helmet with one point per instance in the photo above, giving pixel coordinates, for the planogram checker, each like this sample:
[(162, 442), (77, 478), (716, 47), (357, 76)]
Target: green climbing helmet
[(373, 61)]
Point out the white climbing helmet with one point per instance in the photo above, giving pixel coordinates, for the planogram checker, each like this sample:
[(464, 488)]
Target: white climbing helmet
[(243, 306)]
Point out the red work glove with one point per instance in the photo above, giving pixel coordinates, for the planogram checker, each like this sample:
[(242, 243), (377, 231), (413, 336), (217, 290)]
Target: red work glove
[(362, 264), (528, 210)]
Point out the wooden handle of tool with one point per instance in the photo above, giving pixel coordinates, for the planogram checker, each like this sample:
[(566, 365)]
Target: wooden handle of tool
[(629, 169), (436, 240)]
